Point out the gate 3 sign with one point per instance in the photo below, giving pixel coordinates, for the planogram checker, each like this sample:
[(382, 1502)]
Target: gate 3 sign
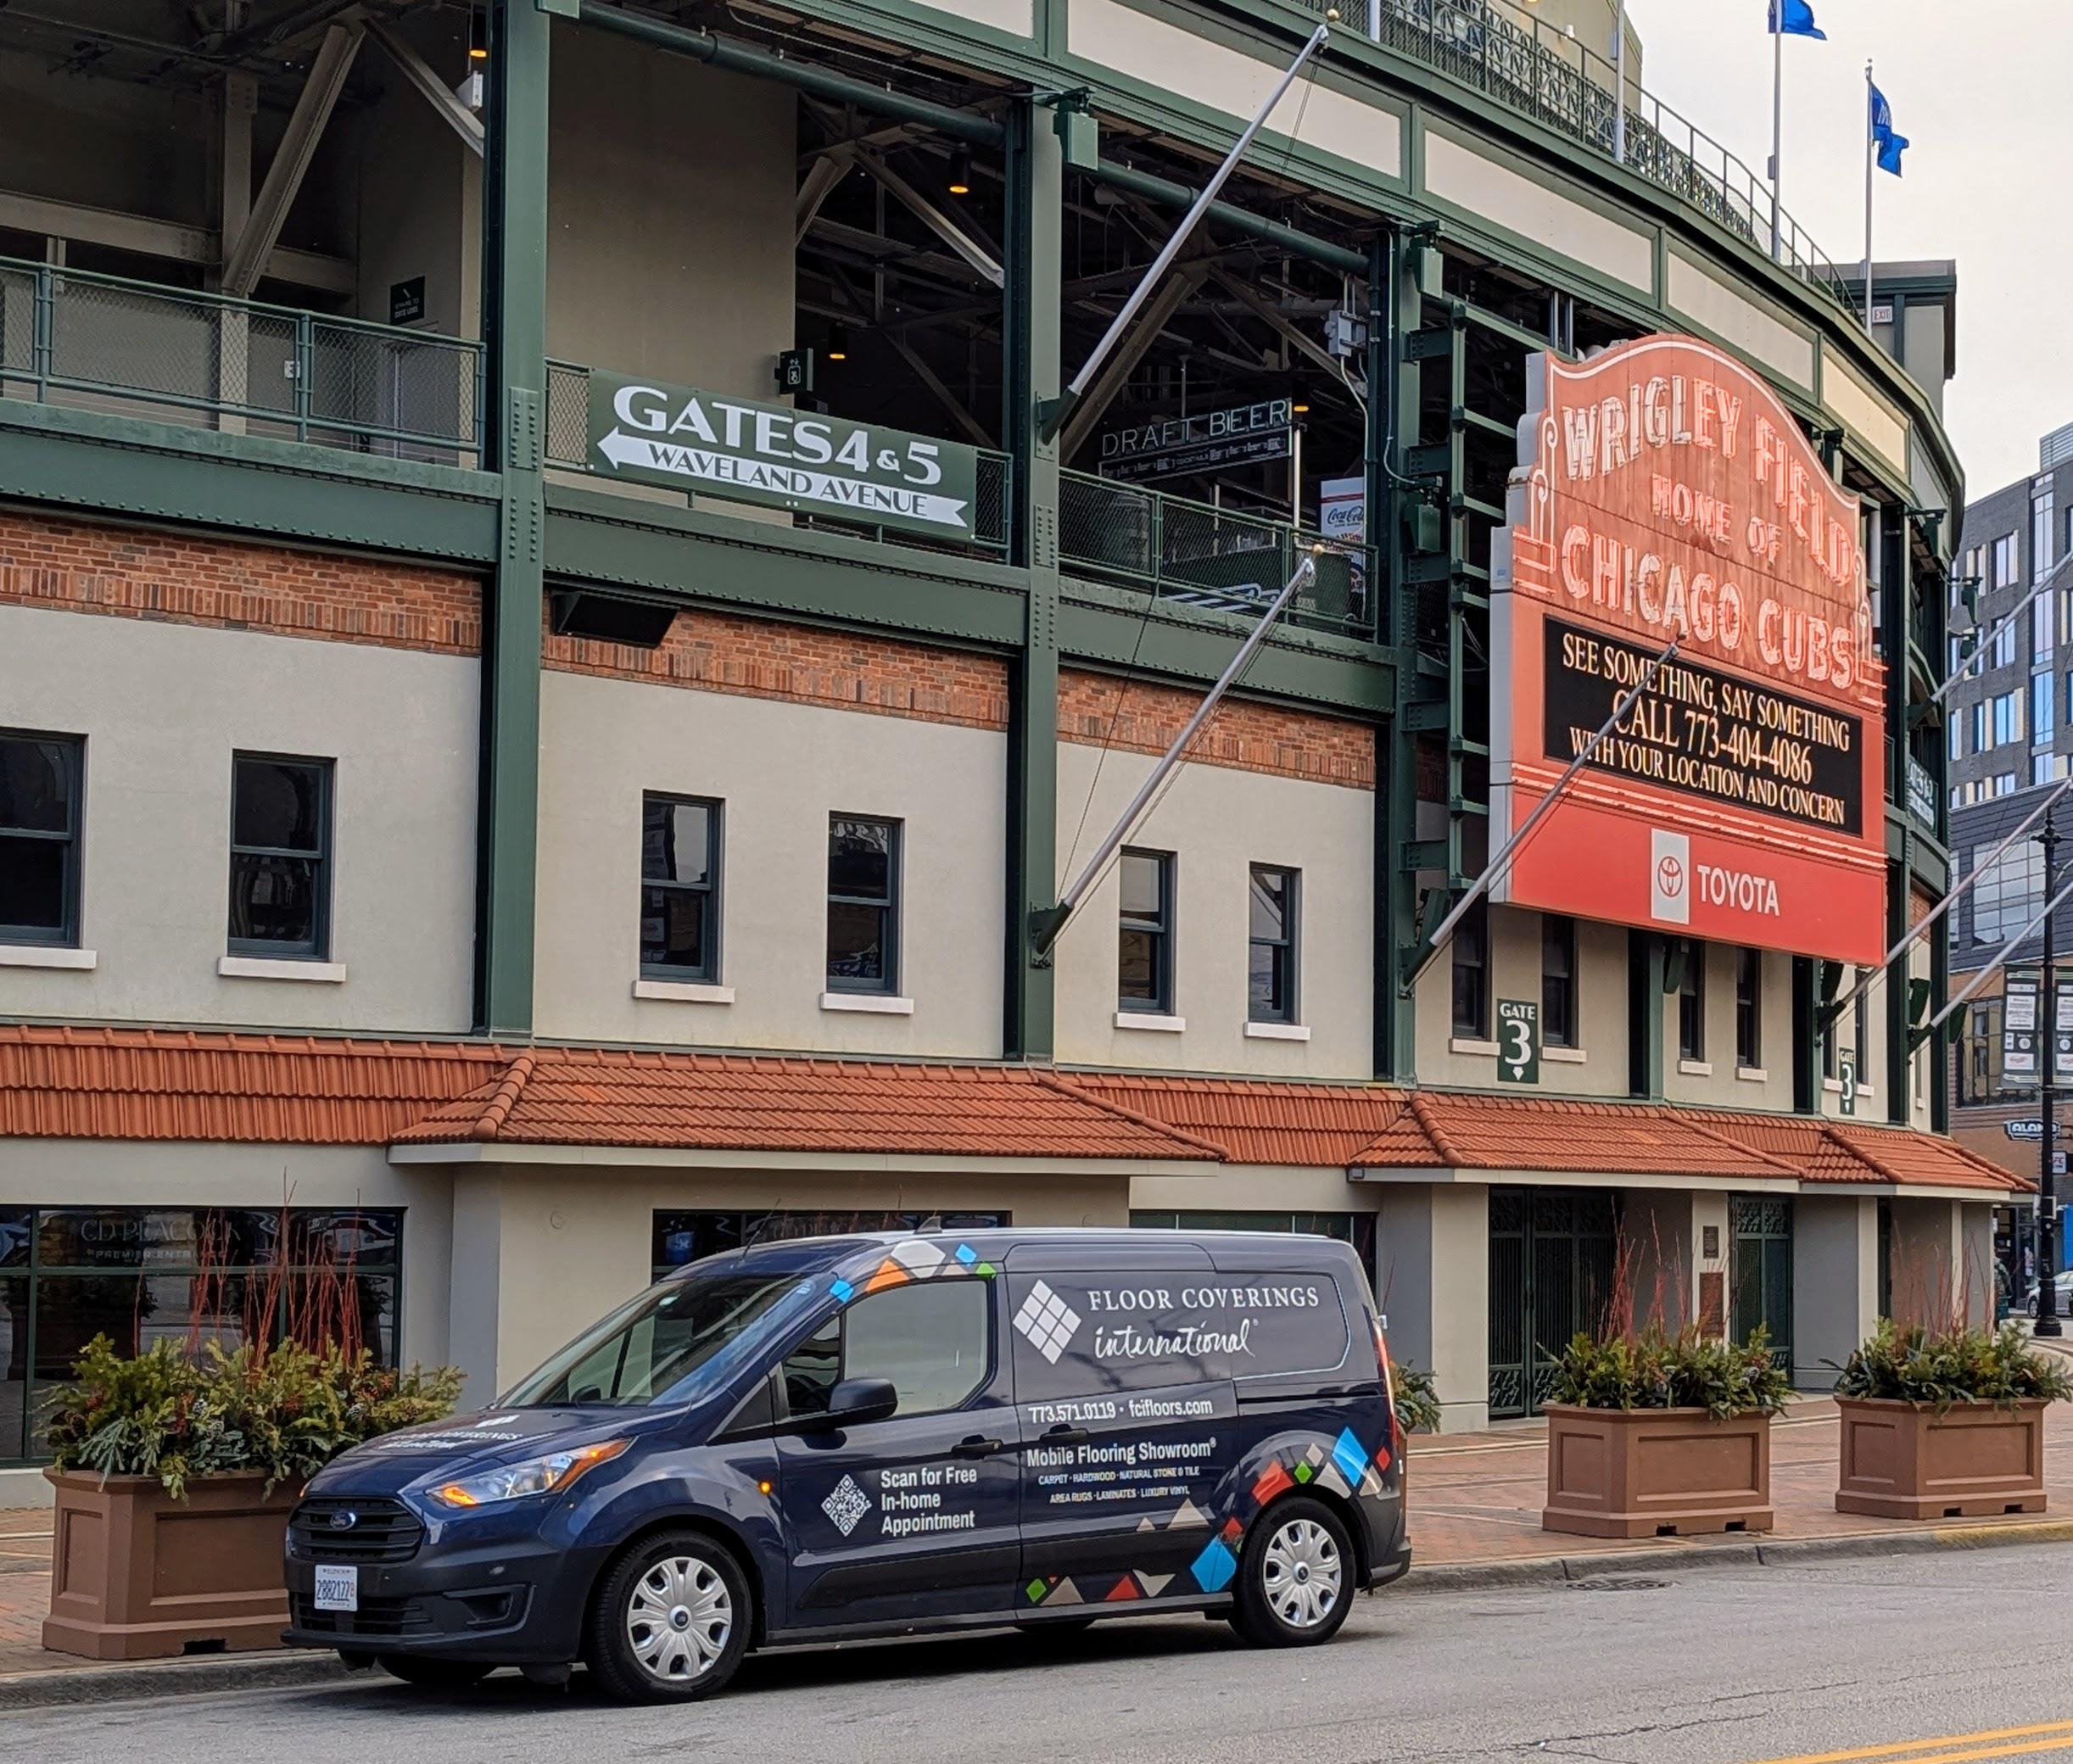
[(1664, 492), (735, 448)]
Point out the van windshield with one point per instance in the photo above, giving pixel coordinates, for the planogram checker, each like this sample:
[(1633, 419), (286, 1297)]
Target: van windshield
[(665, 1345)]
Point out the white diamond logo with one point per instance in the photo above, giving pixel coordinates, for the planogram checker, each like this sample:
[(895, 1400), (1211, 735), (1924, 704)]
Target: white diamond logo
[(847, 1506), (1047, 1322)]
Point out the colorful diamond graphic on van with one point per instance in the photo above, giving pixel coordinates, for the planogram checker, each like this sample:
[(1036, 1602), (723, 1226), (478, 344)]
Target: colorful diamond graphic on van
[(1153, 1584), (985, 1270), (1125, 1588), (1328, 1478), (1214, 1566), (1371, 1484), (1273, 1480), (1189, 1515), (967, 1254), (919, 1257), (842, 1291), (1313, 1455), (1348, 1455), (1047, 1322), (1304, 1472), (1036, 1589), (890, 1273), (1064, 1592)]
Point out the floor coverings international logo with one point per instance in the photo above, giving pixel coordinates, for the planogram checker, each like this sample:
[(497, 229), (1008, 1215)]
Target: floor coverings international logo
[(1047, 1322)]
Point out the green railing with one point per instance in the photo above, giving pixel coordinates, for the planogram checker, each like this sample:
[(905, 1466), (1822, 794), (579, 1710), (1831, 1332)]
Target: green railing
[(569, 405), (1505, 51), (68, 337), (1201, 556)]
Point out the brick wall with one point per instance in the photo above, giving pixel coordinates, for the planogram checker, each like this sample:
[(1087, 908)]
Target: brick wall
[(761, 658), (1094, 710), (127, 572)]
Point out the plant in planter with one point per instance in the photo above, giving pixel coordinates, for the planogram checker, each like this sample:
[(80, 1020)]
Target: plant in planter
[(1944, 1420), (1417, 1399), (1659, 1431)]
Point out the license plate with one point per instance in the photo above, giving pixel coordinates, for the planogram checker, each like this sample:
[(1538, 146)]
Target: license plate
[(337, 1588)]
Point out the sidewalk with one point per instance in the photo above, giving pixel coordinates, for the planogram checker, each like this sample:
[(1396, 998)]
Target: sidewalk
[(1475, 1519)]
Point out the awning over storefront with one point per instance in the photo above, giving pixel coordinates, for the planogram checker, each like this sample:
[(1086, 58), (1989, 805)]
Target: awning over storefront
[(465, 1102)]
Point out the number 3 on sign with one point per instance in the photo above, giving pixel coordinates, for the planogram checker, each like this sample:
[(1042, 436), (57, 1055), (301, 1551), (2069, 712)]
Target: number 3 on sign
[(1518, 1040)]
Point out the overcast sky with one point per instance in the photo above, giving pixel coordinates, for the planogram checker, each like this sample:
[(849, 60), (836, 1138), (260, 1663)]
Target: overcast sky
[(1979, 88)]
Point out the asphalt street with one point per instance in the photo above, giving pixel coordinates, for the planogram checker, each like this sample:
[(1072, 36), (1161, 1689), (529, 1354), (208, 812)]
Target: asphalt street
[(1915, 1660)]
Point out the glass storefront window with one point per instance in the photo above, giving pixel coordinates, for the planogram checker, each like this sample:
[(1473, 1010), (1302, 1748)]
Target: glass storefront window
[(140, 1275)]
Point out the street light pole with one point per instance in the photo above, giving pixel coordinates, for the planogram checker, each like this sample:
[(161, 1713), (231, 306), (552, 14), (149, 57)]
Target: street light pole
[(2048, 1051)]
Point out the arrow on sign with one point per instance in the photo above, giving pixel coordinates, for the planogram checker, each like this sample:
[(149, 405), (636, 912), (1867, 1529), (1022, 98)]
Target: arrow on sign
[(850, 495)]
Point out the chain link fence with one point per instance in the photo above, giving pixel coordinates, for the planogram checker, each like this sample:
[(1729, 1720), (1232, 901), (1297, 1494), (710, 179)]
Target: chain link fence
[(101, 343), (1199, 556), (1502, 49)]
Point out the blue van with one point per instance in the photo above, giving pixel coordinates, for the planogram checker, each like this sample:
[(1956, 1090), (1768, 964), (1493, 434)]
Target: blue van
[(832, 1437)]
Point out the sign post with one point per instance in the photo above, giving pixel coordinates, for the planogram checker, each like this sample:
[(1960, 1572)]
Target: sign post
[(1518, 1040), (737, 448)]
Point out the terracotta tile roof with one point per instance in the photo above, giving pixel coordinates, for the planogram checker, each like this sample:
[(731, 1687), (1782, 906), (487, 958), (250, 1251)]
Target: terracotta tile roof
[(1258, 1121), (162, 1084), (556, 1095), (1842, 1151)]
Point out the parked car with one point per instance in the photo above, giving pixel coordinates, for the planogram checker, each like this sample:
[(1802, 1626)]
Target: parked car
[(885, 1434), (2062, 1295)]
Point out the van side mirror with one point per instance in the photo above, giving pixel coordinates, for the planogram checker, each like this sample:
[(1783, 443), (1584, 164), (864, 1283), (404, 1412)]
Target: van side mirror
[(855, 1401)]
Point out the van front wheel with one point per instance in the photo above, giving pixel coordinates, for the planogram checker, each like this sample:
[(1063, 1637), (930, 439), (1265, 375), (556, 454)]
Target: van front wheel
[(672, 1620), (1295, 1579)]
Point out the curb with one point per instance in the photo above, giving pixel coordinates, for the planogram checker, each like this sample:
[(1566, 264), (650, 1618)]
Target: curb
[(1755, 1551), (269, 1671)]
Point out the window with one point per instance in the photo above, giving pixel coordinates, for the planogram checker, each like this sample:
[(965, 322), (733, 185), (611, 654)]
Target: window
[(1270, 995), (1862, 1012), (1979, 1060), (1749, 1009), (863, 929), (1144, 962), (2040, 628), (1691, 1003), (1558, 1025), (2006, 566), (2004, 784), (143, 1276), (2043, 703), (2005, 644), (41, 785), (680, 888), (1958, 737), (1471, 982), (2007, 717), (1982, 742), (931, 1338), (280, 856), (2009, 890), (2042, 528), (2041, 768)]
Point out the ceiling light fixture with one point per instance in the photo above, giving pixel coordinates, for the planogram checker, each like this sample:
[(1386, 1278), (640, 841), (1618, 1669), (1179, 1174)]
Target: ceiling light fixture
[(961, 172), (838, 343)]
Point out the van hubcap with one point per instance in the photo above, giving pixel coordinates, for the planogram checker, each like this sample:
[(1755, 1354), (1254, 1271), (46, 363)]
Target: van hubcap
[(679, 1618), (1302, 1577)]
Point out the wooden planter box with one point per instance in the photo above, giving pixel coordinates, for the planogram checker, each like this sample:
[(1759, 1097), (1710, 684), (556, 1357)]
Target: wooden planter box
[(1902, 1462), (1655, 1472), (136, 1574)]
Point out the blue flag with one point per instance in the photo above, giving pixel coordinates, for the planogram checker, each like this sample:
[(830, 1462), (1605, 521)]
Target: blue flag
[(1795, 18), (1891, 145)]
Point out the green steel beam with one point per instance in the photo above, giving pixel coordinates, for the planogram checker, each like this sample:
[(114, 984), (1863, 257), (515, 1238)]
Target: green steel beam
[(1395, 312), (96, 462), (515, 322), (1237, 219), (1035, 263), (822, 82)]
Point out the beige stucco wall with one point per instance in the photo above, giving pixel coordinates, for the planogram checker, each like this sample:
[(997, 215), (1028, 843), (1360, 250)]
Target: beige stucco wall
[(1726, 1084), (1433, 1285), (781, 769), (548, 1250), (162, 707), (1218, 821), (1834, 1282)]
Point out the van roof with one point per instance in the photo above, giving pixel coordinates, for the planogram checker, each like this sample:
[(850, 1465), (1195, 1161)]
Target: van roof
[(1062, 1248)]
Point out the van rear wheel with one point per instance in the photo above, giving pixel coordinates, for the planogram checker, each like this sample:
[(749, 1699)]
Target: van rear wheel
[(671, 1621), (1295, 1578)]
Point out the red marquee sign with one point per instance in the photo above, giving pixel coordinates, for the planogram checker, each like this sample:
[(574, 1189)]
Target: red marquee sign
[(1665, 494)]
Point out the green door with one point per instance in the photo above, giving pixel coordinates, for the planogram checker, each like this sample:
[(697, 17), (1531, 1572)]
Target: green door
[(1551, 1256), (1763, 1272)]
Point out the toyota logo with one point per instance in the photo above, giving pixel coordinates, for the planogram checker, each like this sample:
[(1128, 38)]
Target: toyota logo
[(1670, 877), (343, 1519)]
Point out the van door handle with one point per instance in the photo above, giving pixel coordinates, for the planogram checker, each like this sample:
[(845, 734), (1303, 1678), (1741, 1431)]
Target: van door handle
[(975, 1445), (1063, 1435)]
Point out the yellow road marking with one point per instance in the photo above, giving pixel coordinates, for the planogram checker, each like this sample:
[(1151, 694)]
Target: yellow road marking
[(2061, 1732)]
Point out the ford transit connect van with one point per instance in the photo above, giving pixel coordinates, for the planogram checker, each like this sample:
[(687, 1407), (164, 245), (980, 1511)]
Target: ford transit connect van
[(882, 1435)]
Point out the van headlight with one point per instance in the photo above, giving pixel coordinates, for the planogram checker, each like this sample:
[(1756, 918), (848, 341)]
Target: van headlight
[(535, 1475)]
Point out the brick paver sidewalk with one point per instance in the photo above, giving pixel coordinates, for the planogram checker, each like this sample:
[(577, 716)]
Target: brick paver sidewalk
[(1475, 1502)]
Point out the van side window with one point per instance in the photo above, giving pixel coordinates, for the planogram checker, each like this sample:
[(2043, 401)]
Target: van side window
[(932, 1339)]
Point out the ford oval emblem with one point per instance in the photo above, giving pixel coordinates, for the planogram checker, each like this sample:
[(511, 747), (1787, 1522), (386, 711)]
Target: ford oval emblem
[(343, 1519)]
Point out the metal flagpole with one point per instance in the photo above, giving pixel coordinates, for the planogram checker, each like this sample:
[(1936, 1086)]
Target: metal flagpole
[(2048, 1113), (2000, 960), (1055, 416), (1999, 625), (1049, 922), (1916, 933), (1502, 861), (1870, 165), (1778, 123), (1619, 83)]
